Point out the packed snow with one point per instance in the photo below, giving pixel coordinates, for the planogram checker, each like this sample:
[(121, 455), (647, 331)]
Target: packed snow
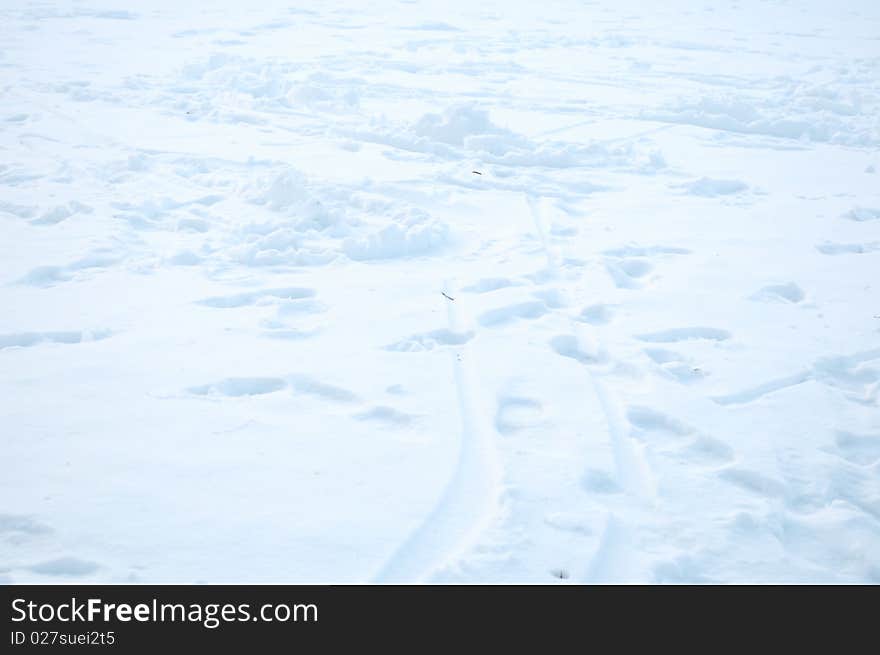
[(500, 291)]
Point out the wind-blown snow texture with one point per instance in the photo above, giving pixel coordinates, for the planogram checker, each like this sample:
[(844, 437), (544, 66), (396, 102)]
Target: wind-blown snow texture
[(226, 354)]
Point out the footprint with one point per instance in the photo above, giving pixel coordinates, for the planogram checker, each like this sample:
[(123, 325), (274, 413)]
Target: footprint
[(65, 566), (517, 413), (252, 297), (299, 307), (568, 522), (99, 258), (753, 481), (647, 419), (710, 188), (553, 298), (276, 330), (754, 393), (235, 387), (858, 486), (675, 365), (628, 273), (852, 374), (598, 314), (15, 175), (29, 339), (430, 340), (567, 345), (559, 230), (829, 248), (863, 214), (663, 356), (21, 524), (683, 334), (192, 225), (61, 213), (19, 211), (490, 284), (861, 449), (303, 384), (386, 415), (596, 481), (708, 451), (46, 276), (645, 251), (697, 448), (512, 313), (784, 293), (185, 258), (629, 265)]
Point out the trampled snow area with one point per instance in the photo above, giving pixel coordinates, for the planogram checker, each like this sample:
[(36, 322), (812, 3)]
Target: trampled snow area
[(490, 291)]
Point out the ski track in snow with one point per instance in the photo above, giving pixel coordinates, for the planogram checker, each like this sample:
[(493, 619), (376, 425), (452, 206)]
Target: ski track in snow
[(470, 499), (632, 473), (225, 229), (631, 470)]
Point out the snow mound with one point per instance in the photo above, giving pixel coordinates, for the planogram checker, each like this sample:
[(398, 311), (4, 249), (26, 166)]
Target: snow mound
[(228, 88), (466, 130), (801, 112), (459, 123), (413, 233)]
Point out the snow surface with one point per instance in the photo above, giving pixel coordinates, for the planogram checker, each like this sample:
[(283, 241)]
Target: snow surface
[(227, 231)]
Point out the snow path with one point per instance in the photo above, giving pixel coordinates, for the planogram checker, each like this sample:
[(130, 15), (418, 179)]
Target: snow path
[(470, 500), (612, 560), (226, 231)]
